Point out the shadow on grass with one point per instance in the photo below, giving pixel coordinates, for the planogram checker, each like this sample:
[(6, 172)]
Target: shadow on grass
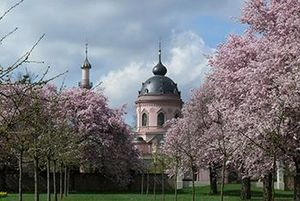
[(256, 193), (233, 190)]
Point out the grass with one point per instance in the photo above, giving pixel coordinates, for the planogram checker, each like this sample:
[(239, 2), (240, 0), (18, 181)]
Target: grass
[(232, 193)]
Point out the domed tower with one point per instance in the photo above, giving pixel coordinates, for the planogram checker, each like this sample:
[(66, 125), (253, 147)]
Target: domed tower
[(85, 79), (158, 101)]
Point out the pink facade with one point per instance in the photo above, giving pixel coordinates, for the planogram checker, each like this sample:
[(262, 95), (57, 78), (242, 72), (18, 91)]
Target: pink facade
[(152, 106)]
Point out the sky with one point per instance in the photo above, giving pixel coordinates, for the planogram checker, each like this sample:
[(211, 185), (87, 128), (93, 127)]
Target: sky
[(122, 37)]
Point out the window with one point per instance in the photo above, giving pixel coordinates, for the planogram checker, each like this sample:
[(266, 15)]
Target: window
[(144, 119), (160, 119), (177, 114)]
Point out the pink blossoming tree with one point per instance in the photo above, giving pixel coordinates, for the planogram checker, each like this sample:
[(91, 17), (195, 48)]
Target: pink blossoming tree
[(257, 75)]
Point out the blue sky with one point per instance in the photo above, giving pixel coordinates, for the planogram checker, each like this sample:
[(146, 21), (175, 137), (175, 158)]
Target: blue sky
[(123, 39)]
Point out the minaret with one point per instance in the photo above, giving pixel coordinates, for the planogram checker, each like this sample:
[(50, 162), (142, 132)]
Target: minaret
[(85, 80)]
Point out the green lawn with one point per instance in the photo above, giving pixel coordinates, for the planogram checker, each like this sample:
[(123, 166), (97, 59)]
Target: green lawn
[(231, 194)]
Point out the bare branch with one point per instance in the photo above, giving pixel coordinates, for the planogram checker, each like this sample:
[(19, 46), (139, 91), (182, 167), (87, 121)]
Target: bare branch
[(42, 81), (11, 32), (35, 62), (21, 60), (6, 12), (95, 87)]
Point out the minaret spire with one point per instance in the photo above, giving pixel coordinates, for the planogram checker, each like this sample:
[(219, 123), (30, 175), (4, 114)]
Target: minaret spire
[(159, 69), (85, 81), (86, 50), (159, 51)]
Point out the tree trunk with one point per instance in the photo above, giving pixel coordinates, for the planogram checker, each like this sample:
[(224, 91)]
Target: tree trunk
[(142, 184), (68, 182), (61, 182), (21, 176), (154, 183), (246, 188), (223, 179), (65, 181), (267, 187), (213, 180), (175, 182), (54, 181), (297, 186), (3, 185), (147, 187), (48, 180), (193, 184), (162, 186), (297, 179), (36, 179)]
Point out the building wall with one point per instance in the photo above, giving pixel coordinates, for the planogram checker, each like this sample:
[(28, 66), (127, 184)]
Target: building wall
[(169, 105), (153, 110)]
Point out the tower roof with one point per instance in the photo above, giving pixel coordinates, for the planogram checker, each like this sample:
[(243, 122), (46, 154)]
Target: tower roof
[(159, 84), (86, 63)]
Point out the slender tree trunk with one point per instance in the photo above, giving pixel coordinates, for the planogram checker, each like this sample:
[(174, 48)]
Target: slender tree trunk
[(297, 179), (297, 186), (68, 181), (3, 185), (193, 184), (162, 186), (61, 182), (36, 179), (147, 187), (21, 176), (154, 183), (246, 188), (65, 181), (54, 181), (267, 187), (175, 182), (48, 180), (142, 184), (213, 180), (223, 179), (273, 176)]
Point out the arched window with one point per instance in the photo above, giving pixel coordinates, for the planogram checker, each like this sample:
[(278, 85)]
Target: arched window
[(160, 119), (144, 119)]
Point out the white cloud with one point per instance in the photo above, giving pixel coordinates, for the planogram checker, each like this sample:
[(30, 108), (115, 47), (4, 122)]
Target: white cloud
[(188, 63), (121, 86)]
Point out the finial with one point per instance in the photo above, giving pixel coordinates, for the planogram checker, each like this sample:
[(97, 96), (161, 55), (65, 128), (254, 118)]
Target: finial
[(159, 69), (86, 49), (159, 51), (86, 63)]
